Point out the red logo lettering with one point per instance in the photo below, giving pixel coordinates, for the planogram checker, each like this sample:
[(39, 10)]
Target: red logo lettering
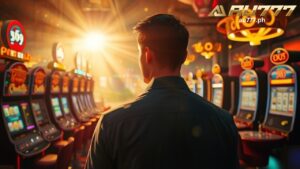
[(279, 56)]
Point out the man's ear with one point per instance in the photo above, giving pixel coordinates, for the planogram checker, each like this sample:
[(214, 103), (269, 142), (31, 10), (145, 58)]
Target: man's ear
[(149, 55)]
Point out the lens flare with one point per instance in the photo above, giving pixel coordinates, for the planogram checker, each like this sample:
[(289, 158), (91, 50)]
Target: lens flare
[(95, 41)]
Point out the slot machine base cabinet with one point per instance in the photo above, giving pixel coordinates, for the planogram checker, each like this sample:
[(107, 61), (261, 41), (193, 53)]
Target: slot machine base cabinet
[(255, 147)]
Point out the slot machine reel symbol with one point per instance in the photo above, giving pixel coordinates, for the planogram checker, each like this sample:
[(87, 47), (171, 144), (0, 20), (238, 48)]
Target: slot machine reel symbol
[(55, 82), (281, 74), (39, 81), (75, 84), (248, 77), (17, 80), (65, 83)]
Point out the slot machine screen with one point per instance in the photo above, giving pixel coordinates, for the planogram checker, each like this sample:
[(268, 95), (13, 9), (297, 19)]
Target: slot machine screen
[(249, 98), (14, 118), (83, 101), (39, 112), (88, 102), (217, 96), (65, 105), (80, 104), (91, 100), (75, 103), (282, 101), (28, 119), (56, 107)]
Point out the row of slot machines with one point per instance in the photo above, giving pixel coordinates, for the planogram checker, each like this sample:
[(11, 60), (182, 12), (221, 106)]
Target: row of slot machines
[(40, 108), (267, 113)]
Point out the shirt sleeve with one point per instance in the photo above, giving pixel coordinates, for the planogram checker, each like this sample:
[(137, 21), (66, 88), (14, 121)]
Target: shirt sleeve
[(98, 157)]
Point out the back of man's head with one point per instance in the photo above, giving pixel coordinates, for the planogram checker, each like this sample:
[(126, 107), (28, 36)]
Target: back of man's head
[(166, 37)]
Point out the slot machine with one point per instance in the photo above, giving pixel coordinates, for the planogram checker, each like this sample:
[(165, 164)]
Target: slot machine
[(201, 85), (223, 90), (282, 112), (77, 107), (73, 97), (191, 82), (66, 107), (90, 96), (58, 106), (20, 138), (88, 92), (253, 94), (38, 105), (82, 97), (23, 134)]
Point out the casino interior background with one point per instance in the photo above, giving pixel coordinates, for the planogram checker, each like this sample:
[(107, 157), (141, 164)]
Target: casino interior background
[(101, 31)]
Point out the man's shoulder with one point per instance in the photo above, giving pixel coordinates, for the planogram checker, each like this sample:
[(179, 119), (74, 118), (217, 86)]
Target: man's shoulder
[(122, 111), (209, 107), (115, 113)]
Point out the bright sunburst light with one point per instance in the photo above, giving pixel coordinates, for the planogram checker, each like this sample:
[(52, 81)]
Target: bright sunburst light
[(95, 41)]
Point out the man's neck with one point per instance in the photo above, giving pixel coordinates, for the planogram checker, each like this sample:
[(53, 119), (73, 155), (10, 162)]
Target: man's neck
[(166, 72)]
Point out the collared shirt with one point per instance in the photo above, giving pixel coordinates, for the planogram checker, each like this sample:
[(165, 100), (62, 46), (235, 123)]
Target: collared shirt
[(168, 127)]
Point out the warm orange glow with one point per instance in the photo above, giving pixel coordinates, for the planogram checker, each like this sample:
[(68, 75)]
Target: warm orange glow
[(14, 55), (95, 41), (216, 69), (247, 62), (252, 29), (190, 58), (279, 56), (207, 49), (248, 83), (282, 81)]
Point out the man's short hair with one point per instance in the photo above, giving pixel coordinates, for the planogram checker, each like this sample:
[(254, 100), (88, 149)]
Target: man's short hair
[(166, 37)]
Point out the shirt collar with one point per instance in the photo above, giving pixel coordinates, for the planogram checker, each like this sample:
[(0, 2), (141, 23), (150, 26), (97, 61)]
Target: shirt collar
[(168, 82)]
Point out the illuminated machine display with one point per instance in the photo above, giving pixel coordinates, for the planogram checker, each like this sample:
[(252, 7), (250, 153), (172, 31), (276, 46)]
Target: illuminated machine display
[(58, 106), (20, 136), (38, 105), (253, 94), (222, 98), (282, 108), (201, 85)]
